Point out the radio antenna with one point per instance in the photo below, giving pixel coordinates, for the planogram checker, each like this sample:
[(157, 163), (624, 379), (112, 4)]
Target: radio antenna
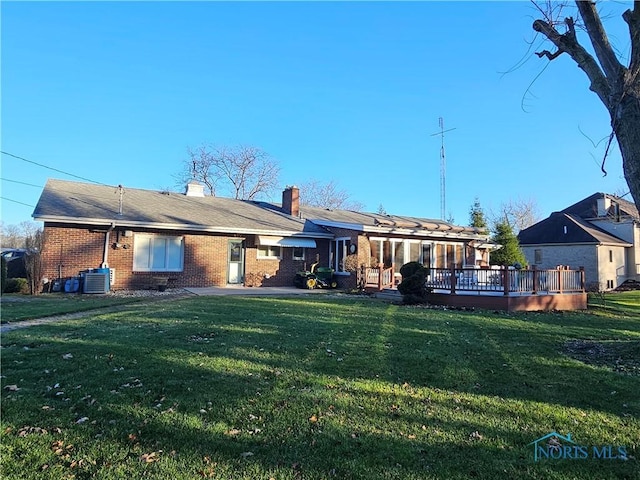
[(443, 169)]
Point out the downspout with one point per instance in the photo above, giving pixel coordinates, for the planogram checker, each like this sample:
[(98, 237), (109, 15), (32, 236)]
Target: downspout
[(105, 256)]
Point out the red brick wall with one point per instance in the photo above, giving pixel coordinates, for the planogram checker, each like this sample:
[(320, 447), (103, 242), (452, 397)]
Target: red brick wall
[(74, 249)]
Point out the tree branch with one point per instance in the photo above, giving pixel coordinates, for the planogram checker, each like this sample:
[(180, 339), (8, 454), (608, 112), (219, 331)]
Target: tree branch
[(568, 43), (613, 69)]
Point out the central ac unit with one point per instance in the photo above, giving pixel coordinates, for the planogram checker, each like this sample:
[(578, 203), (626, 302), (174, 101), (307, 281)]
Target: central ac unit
[(96, 283)]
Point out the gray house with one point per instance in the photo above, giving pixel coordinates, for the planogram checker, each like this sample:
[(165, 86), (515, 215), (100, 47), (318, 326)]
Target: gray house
[(600, 233)]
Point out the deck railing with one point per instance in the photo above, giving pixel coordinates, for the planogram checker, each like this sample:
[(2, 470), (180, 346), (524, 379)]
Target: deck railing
[(378, 277), (506, 280)]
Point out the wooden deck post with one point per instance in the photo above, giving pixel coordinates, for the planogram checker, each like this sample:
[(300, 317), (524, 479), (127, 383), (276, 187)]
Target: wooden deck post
[(536, 280), (582, 285), (560, 277), (453, 279), (505, 280), (380, 271)]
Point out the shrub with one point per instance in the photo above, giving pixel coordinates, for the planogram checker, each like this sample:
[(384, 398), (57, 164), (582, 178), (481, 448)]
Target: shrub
[(16, 285), (411, 268), (412, 287)]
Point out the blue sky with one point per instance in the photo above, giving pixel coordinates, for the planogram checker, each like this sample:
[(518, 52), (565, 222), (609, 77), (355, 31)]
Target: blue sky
[(350, 92)]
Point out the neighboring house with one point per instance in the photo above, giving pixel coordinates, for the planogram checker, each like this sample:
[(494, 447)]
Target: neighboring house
[(192, 240), (600, 233)]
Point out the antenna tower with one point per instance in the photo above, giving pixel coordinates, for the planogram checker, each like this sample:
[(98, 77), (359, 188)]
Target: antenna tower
[(443, 169)]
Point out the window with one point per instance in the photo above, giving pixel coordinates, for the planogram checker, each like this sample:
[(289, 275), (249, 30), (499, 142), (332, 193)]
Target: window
[(426, 255), (398, 255), (449, 255), (157, 253), (611, 256), (269, 251), (440, 256), (537, 253), (298, 253), (338, 252)]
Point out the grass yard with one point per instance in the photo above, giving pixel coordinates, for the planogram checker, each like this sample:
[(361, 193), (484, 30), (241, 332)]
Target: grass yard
[(318, 388), (18, 307)]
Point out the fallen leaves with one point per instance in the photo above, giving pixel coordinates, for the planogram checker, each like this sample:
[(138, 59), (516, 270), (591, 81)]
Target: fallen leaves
[(150, 457), (24, 431), (67, 356), (61, 449)]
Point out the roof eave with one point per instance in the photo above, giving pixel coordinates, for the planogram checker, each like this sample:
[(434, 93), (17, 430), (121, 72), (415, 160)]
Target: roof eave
[(400, 231), (179, 226)]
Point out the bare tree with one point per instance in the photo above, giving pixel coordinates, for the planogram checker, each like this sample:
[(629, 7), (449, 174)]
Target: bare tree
[(518, 214), (15, 236), (33, 260), (242, 172), (616, 84), (314, 193)]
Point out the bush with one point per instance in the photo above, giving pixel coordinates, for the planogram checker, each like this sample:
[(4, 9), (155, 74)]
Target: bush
[(412, 287), (411, 268), (16, 285)]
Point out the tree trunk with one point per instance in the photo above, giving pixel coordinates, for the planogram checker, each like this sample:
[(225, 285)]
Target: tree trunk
[(627, 129)]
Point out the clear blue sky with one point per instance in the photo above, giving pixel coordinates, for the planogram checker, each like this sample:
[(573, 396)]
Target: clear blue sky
[(116, 92)]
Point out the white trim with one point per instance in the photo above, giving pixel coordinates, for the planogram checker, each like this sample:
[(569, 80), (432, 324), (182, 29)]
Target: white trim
[(178, 226)]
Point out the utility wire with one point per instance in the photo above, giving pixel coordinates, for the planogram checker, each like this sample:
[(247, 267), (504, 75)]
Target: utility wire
[(15, 201), (21, 183), (54, 169)]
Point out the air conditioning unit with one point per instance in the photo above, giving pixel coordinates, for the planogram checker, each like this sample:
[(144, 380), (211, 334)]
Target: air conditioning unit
[(96, 283)]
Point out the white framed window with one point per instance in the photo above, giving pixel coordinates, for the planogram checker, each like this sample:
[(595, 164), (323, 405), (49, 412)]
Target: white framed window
[(158, 253), (338, 251), (298, 253), (398, 251), (271, 252)]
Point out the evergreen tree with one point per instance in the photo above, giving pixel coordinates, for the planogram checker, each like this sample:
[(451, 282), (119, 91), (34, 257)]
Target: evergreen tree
[(476, 216), (510, 253)]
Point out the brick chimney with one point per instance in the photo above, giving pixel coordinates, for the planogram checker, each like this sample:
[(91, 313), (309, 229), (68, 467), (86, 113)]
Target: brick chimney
[(291, 201)]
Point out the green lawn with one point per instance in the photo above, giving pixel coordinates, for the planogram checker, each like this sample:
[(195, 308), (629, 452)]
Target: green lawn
[(318, 388), (17, 307)]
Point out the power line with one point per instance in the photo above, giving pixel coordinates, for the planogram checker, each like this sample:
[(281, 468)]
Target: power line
[(15, 201), (21, 183), (54, 169)]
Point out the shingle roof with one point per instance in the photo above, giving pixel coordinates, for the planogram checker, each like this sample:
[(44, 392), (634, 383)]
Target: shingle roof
[(382, 221), (562, 228), (74, 202)]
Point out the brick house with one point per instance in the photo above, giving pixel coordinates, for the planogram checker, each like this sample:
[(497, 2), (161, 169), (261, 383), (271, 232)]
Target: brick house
[(600, 233), (193, 240)]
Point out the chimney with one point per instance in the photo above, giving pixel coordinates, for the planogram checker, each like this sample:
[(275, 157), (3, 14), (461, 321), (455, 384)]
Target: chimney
[(194, 189), (603, 206), (291, 201)]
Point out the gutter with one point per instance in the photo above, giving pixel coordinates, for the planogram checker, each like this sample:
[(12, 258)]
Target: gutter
[(105, 255)]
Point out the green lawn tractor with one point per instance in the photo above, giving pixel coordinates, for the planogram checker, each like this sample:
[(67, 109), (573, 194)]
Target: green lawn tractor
[(317, 277)]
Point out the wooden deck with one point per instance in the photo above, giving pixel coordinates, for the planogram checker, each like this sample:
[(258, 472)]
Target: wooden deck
[(503, 289)]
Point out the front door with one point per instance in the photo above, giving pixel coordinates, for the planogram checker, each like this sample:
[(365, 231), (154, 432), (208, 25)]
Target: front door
[(235, 272)]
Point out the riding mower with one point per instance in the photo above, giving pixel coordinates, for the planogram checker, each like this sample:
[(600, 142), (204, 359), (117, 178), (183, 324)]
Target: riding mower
[(316, 277)]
